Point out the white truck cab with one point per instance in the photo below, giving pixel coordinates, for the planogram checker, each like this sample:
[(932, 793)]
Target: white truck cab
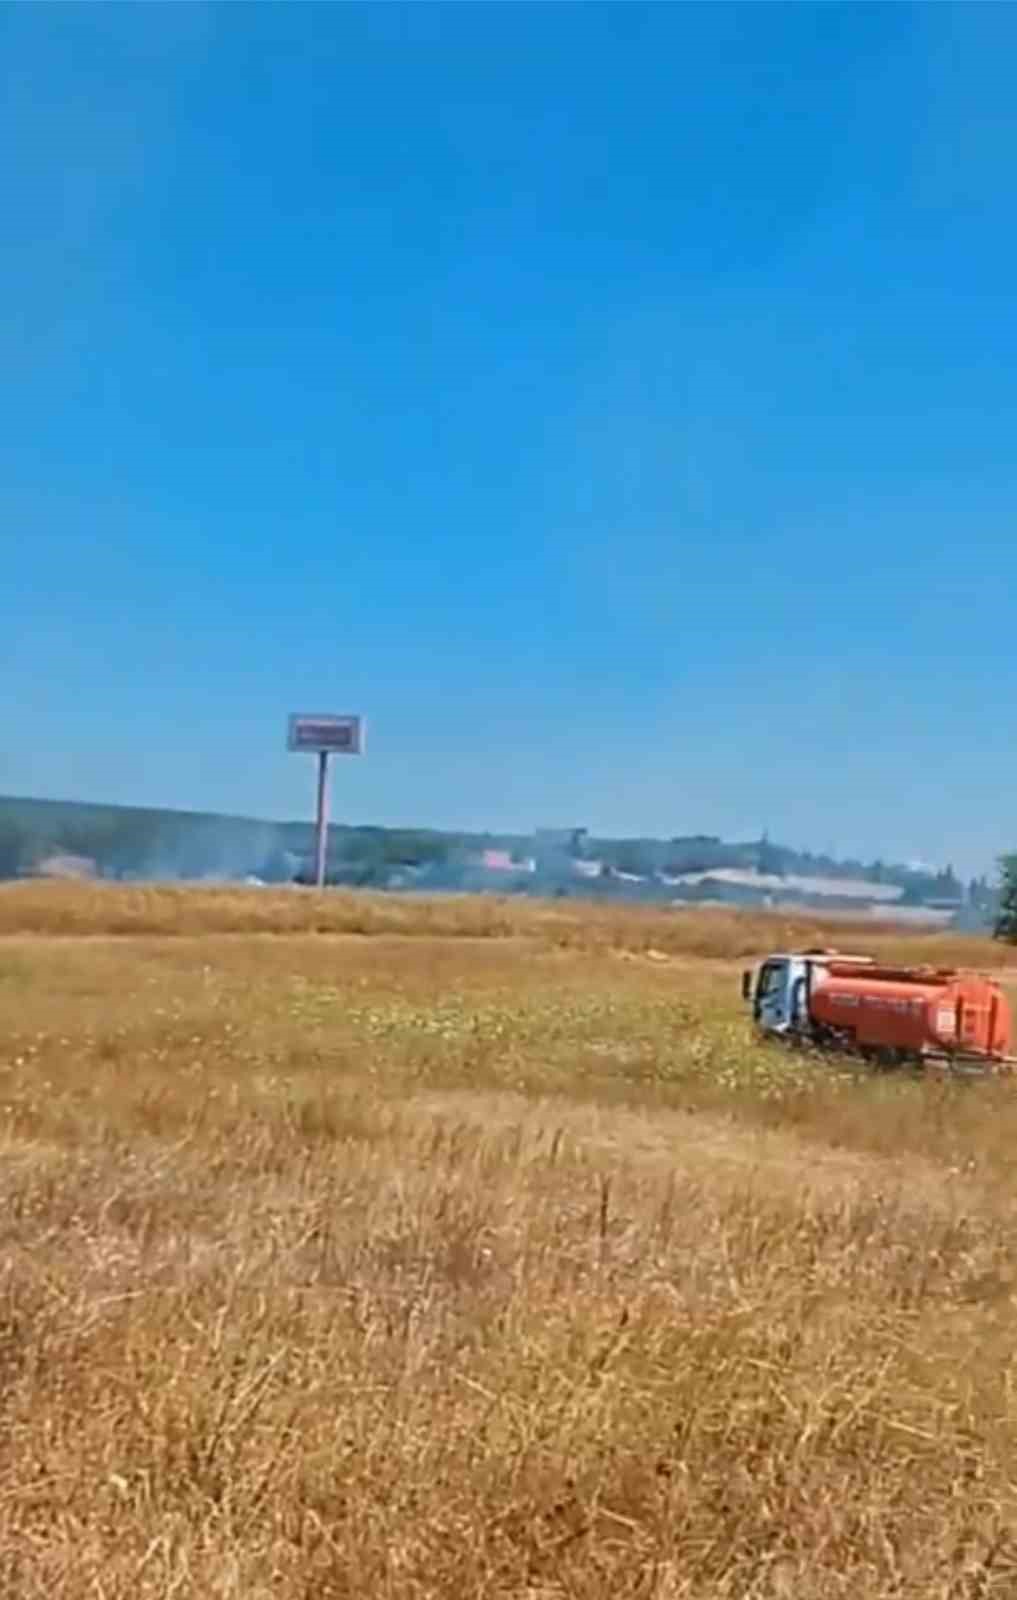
[(782, 988), (778, 994)]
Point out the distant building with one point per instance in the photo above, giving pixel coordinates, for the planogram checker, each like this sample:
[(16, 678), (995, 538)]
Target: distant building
[(505, 861), (497, 861), (64, 866), (587, 869), (737, 884), (556, 846)]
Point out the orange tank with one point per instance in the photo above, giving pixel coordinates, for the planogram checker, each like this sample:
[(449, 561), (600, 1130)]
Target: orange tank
[(912, 1011)]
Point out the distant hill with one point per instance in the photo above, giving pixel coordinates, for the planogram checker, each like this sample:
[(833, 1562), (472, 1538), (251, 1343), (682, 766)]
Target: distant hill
[(135, 842), (127, 842)]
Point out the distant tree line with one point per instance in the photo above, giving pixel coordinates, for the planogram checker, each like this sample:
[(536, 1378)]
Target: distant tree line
[(133, 842), (705, 853), (129, 842)]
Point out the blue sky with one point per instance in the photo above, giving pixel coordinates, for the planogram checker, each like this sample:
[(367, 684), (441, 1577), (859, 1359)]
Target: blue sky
[(617, 404)]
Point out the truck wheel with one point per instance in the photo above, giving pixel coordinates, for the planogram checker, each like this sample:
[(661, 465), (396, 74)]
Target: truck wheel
[(881, 1058)]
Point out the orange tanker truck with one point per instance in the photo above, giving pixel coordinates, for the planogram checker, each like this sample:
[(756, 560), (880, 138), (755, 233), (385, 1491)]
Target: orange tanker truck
[(890, 1014)]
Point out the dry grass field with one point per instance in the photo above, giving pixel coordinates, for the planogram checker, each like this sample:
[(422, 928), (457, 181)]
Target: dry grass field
[(362, 1247)]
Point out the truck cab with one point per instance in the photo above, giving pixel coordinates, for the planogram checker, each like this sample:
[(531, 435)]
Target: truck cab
[(779, 993)]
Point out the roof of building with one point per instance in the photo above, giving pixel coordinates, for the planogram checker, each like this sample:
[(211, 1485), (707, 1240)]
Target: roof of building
[(771, 883)]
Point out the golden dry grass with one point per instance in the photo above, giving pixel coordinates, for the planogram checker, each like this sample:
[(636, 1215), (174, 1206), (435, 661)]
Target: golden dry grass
[(413, 1266), (105, 908)]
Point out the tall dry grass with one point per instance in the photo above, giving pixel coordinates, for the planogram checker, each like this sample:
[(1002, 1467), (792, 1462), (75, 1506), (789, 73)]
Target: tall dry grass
[(173, 910), (421, 1268)]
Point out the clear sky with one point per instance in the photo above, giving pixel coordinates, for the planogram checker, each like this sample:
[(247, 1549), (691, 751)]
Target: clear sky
[(617, 404)]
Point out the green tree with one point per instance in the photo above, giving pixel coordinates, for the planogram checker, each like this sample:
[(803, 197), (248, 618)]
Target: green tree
[(770, 858), (14, 842), (1006, 918)]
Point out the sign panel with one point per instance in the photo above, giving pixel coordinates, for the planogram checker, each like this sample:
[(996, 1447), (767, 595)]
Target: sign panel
[(338, 736)]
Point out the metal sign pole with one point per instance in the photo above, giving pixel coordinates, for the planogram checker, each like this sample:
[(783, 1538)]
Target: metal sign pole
[(321, 849), (325, 736)]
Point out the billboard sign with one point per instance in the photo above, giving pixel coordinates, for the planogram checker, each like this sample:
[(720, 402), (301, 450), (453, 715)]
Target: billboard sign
[(334, 736)]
